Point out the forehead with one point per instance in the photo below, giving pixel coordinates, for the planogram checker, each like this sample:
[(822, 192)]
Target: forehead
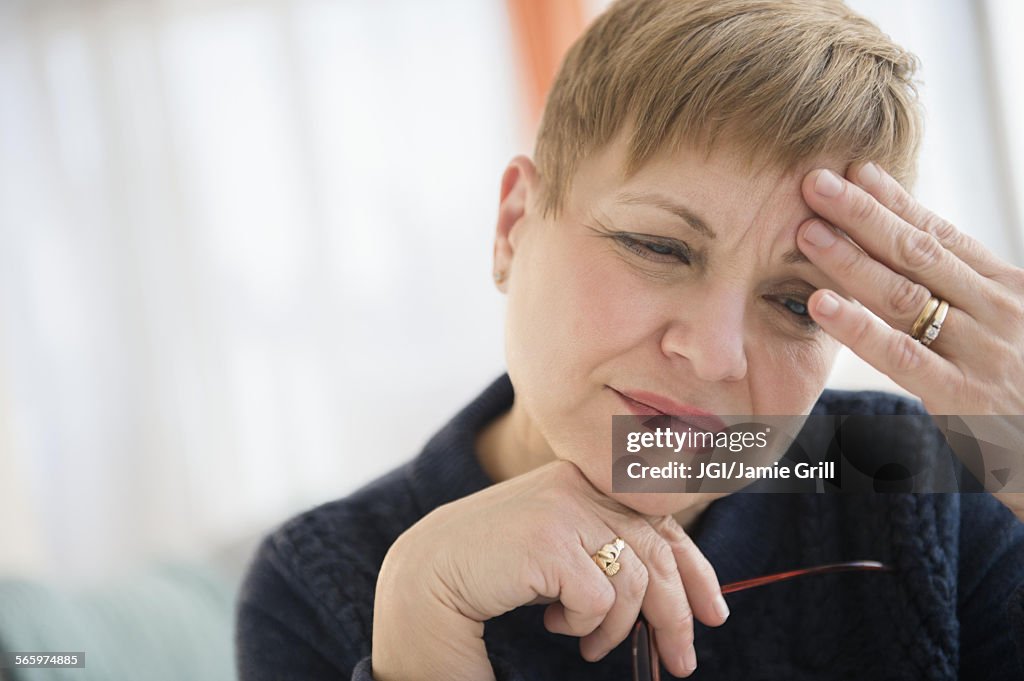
[(721, 186)]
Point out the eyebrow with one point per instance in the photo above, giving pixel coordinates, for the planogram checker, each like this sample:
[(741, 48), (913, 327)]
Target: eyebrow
[(677, 209), (793, 257)]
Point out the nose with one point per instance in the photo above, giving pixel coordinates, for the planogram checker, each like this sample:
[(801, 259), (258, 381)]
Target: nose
[(709, 333)]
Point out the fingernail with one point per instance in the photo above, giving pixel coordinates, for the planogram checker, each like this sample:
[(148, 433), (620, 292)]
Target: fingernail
[(827, 305), (828, 184), (721, 608), (869, 174), (820, 235), (690, 659)]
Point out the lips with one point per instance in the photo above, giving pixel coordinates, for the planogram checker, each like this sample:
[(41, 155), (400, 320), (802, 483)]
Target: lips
[(643, 403)]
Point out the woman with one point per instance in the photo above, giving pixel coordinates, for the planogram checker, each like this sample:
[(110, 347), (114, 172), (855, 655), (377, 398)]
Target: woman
[(716, 183)]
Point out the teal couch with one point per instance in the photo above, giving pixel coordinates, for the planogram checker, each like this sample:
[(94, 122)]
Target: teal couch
[(171, 623)]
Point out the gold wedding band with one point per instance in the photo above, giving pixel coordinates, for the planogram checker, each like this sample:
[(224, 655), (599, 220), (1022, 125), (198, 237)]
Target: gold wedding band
[(931, 332), (923, 319), (607, 557)]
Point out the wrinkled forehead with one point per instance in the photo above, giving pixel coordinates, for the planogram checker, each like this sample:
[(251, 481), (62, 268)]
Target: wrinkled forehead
[(722, 183)]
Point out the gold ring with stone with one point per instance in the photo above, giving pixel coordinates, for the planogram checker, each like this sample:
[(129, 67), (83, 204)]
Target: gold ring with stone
[(931, 332), (921, 323), (607, 557)]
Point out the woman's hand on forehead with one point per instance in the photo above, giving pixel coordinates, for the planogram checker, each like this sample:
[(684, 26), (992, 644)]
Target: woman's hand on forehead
[(938, 312)]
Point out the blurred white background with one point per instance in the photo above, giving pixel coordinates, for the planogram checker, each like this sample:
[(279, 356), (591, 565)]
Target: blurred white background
[(245, 246)]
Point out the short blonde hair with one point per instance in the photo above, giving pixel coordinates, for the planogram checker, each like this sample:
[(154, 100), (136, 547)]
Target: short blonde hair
[(786, 81)]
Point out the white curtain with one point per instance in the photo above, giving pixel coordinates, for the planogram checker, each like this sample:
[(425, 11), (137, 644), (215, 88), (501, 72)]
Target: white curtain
[(237, 241)]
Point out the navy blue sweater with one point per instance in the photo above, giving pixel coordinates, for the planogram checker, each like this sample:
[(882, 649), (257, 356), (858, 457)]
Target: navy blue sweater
[(954, 607)]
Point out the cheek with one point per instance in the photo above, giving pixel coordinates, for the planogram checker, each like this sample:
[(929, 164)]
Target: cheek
[(601, 310), (573, 309), (571, 315), (788, 377)]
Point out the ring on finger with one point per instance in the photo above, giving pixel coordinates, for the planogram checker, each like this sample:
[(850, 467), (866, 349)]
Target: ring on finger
[(922, 321), (935, 325), (607, 557)]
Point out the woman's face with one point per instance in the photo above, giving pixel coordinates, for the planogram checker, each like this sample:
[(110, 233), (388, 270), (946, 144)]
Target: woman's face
[(682, 283)]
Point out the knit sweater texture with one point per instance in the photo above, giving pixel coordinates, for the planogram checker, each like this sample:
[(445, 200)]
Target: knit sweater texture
[(952, 609)]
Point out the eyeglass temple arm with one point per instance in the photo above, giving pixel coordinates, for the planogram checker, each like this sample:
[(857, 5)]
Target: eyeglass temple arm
[(856, 565)]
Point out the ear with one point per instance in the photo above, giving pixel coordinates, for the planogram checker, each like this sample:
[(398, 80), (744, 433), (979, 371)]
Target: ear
[(518, 188)]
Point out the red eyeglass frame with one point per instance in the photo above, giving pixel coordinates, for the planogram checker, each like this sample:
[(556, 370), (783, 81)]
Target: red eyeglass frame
[(646, 666)]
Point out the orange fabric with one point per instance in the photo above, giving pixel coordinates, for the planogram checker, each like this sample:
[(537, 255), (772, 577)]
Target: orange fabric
[(542, 31)]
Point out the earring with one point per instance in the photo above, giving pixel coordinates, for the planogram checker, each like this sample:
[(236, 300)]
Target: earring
[(499, 277)]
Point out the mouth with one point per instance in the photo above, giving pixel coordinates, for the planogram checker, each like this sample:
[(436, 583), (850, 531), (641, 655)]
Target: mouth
[(643, 403)]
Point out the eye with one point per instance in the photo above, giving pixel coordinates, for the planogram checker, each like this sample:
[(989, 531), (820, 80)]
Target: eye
[(658, 249), (796, 307), (798, 312)]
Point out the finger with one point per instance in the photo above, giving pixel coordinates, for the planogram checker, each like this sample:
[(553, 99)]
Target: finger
[(700, 581), (664, 601), (630, 584), (585, 596), (892, 352), (891, 194), (896, 299), (701, 587), (890, 240)]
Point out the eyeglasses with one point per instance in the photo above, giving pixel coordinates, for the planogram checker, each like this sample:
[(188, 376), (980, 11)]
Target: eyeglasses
[(646, 666)]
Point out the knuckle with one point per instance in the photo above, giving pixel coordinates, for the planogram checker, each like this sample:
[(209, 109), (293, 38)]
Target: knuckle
[(974, 392), (687, 551), (1006, 304), (683, 621), (673, 533), (960, 383), (920, 251), (907, 298), (849, 260), (862, 207), (1013, 279), (943, 230), (1016, 316), (861, 331), (663, 561), (897, 197), (906, 353), (666, 525), (1013, 312), (706, 570), (636, 584), (602, 597)]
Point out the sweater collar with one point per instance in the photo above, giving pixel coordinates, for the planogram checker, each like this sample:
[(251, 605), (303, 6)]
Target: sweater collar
[(448, 467)]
